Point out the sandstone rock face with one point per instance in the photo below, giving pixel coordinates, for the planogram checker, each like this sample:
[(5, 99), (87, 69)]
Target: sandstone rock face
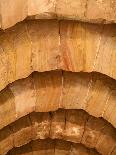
[(70, 125), (49, 45), (53, 147), (49, 91), (98, 11), (28, 104), (57, 77)]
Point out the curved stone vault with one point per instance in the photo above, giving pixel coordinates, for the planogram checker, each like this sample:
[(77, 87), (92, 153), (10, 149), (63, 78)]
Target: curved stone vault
[(50, 45), (70, 125), (95, 11), (57, 77), (43, 92), (52, 147)]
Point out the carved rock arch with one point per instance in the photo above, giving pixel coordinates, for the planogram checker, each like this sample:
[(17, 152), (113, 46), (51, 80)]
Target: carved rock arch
[(58, 77), (53, 147), (71, 125), (43, 92)]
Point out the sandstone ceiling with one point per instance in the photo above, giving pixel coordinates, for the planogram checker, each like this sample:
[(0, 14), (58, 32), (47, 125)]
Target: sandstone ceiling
[(52, 45), (57, 77), (49, 91), (48, 105), (96, 11), (70, 125), (53, 147)]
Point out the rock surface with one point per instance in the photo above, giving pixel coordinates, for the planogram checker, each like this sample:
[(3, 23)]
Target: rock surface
[(51, 45), (53, 147), (58, 77), (96, 11), (49, 91), (70, 125)]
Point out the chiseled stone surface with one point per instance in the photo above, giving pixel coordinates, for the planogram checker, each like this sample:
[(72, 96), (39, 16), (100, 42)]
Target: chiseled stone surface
[(52, 147), (47, 45), (69, 125), (96, 11), (43, 92), (58, 77)]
